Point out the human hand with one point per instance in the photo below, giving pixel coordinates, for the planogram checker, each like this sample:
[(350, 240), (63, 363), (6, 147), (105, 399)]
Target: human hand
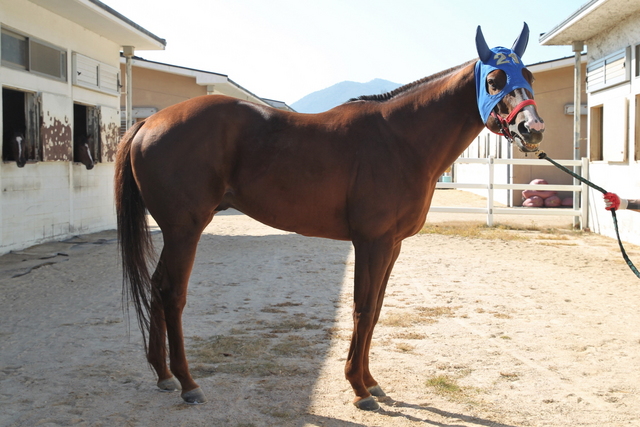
[(614, 202)]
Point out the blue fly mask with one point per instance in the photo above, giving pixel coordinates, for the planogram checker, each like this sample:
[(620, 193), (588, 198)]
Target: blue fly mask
[(499, 58)]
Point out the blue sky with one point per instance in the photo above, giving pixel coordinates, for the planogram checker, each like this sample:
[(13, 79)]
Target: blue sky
[(286, 49)]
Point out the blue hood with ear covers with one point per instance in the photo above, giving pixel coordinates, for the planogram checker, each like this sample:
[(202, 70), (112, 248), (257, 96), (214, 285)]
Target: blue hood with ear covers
[(502, 59)]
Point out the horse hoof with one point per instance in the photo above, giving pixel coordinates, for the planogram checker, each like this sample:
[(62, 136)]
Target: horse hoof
[(170, 384), (376, 390), (194, 397), (367, 404)]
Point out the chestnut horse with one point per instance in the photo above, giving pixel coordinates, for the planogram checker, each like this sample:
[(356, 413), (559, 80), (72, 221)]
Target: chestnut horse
[(364, 171)]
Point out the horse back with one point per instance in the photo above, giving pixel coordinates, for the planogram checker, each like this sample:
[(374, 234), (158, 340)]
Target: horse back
[(314, 174)]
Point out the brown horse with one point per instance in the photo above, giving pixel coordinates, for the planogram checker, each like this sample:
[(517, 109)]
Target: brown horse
[(364, 171), (82, 146), (15, 148)]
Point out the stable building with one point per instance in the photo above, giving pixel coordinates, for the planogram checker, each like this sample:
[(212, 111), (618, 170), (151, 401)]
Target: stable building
[(61, 84), (610, 31), (157, 85)]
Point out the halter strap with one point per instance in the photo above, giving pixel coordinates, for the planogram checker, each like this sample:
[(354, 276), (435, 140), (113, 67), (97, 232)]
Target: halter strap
[(504, 123)]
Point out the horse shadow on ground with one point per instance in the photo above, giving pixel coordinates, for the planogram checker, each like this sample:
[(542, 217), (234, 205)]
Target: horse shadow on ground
[(467, 419)]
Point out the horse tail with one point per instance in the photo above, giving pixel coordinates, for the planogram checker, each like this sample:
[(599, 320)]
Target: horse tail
[(134, 240)]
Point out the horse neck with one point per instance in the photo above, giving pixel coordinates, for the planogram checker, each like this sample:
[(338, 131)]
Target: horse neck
[(439, 119)]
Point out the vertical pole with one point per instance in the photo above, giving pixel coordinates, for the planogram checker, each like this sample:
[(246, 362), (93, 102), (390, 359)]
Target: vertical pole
[(490, 193), (128, 54), (577, 102), (584, 211)]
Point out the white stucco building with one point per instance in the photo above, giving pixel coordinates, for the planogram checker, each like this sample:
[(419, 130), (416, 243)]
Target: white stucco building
[(610, 31), (60, 77)]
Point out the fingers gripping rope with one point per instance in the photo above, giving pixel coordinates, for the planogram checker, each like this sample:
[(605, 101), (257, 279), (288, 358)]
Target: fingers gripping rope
[(543, 155), (612, 200)]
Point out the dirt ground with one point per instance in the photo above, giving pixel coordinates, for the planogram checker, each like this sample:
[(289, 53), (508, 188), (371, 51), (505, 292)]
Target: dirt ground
[(504, 328)]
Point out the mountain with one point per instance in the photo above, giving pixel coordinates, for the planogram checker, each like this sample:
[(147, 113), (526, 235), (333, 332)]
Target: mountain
[(339, 93)]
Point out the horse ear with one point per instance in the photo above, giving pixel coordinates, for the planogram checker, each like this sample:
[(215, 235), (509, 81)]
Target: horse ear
[(520, 45), (481, 46)]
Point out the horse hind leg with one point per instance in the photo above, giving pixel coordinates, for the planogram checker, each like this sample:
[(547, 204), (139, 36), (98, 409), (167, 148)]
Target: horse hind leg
[(174, 269), (157, 350)]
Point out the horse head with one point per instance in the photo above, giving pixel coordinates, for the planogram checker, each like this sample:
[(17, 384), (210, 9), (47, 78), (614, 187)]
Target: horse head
[(82, 151), (19, 148), (504, 92)]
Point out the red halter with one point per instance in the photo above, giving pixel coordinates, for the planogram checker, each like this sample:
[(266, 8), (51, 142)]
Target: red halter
[(504, 123)]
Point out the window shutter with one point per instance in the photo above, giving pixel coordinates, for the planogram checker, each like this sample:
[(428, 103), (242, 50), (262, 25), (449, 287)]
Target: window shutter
[(109, 132), (109, 79), (85, 71), (95, 75), (56, 127), (609, 71)]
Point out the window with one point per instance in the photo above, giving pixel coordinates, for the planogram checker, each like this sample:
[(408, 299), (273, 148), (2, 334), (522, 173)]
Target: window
[(20, 113), (35, 56), (608, 136), (14, 50), (637, 125), (86, 126), (596, 133), (48, 60), (638, 60)]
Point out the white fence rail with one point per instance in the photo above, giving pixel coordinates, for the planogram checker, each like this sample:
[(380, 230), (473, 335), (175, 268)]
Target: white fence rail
[(578, 211)]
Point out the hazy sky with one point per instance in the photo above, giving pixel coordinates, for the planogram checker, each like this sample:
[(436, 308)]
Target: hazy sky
[(286, 49)]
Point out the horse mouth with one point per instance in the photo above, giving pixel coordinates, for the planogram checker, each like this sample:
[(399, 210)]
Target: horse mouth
[(527, 141)]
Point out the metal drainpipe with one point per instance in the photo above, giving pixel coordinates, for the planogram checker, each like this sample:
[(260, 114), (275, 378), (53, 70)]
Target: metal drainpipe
[(577, 104), (128, 54)]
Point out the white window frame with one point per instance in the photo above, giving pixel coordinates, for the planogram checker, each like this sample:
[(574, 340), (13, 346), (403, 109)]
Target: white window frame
[(28, 66)]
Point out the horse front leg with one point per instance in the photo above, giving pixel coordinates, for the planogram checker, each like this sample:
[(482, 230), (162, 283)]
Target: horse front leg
[(374, 260), (369, 381)]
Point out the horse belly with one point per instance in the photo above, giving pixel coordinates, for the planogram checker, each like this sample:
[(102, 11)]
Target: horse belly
[(311, 210)]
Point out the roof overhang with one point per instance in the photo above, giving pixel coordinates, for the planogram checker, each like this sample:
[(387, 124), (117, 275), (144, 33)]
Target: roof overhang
[(591, 19), (555, 64), (203, 78), (104, 21)]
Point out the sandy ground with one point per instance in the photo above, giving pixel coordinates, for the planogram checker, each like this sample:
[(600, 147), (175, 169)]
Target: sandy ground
[(518, 328)]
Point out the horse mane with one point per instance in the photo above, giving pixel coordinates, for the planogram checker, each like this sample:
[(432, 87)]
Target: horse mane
[(410, 86)]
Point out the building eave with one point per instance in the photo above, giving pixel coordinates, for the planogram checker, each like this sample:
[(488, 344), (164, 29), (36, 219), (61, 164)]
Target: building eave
[(555, 64), (591, 19), (104, 21), (202, 78)]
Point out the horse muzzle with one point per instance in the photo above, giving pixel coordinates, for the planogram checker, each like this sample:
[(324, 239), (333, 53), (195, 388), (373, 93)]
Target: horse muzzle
[(527, 138), (527, 132)]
